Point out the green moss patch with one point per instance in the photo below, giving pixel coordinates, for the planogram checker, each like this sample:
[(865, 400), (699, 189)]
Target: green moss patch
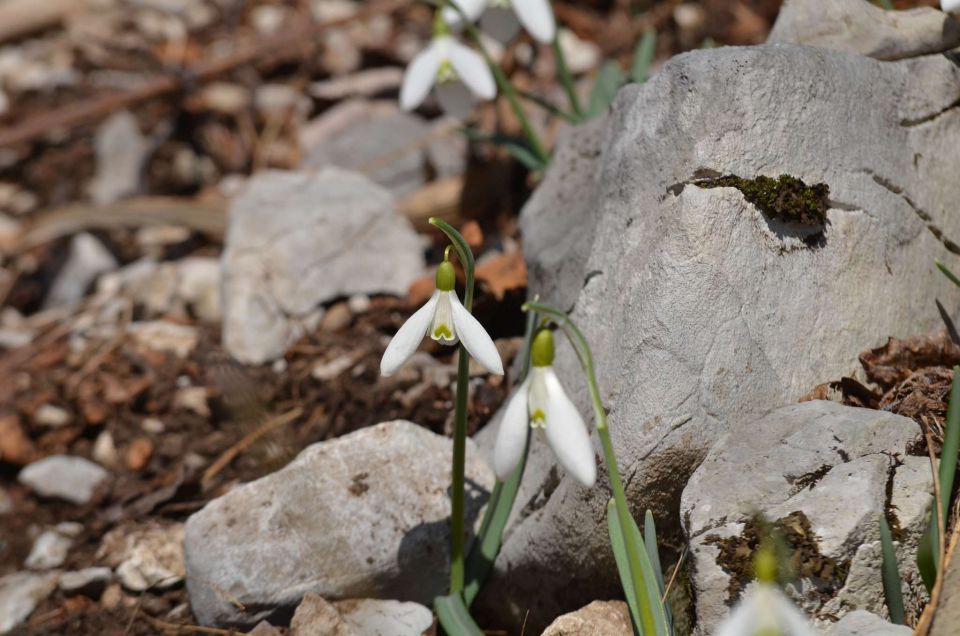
[(797, 550), (785, 198)]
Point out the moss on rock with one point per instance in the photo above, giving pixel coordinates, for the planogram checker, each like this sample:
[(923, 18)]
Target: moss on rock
[(785, 198)]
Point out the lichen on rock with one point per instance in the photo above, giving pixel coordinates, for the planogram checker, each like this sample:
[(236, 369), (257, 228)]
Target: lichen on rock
[(785, 198)]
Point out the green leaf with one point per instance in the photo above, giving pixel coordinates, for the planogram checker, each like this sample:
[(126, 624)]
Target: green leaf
[(643, 56), (650, 541), (605, 87), (453, 616), (946, 272), (647, 581), (926, 554), (487, 544), (892, 591), (525, 156), (887, 5)]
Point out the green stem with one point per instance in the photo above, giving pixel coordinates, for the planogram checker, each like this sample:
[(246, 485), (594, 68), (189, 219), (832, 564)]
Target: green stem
[(508, 90), (566, 79), (457, 495), (547, 106), (579, 342)]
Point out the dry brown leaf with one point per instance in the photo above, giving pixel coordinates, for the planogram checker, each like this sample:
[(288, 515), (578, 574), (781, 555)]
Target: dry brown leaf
[(502, 273)]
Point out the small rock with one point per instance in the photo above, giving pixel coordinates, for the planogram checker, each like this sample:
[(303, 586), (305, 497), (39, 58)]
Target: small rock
[(153, 239), (152, 425), (122, 151), (325, 371), (105, 451), (861, 27), (19, 595), (139, 453), (268, 18), (336, 318), (87, 260), (297, 240), (278, 100), (48, 551), (112, 597), (51, 416), (359, 303), (199, 286), (374, 617), (863, 623), (599, 618), (263, 628), (149, 557), (73, 479), (192, 398), (317, 617), (225, 98), (90, 582), (340, 55), (161, 335), (381, 490), (15, 447), (581, 55)]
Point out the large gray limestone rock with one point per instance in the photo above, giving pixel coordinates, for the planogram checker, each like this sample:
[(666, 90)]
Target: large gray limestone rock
[(859, 26), (298, 240), (820, 463), (704, 311), (362, 516)]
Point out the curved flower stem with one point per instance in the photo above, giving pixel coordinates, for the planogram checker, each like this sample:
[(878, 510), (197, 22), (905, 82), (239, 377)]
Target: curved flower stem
[(457, 495), (566, 79), (508, 90), (579, 342)]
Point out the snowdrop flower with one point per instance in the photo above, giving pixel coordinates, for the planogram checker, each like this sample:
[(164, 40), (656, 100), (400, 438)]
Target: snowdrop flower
[(765, 610), (457, 71), (502, 19), (542, 402), (950, 6), (448, 322)]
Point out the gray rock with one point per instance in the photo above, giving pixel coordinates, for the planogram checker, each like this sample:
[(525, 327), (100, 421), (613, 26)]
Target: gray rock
[(315, 616), (827, 461), (701, 310), (19, 595), (122, 150), (147, 557), (73, 479), (88, 259), (863, 623), (364, 515), (374, 617), (88, 581), (859, 26), (49, 551), (297, 240), (599, 618)]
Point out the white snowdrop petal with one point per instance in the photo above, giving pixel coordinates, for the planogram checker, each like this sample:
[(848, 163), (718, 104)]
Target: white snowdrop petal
[(536, 16), (566, 431), (475, 338), (472, 70), (765, 607), (408, 337), (472, 9), (789, 617), (739, 622), (950, 6), (512, 436), (500, 23), (455, 99), (419, 77)]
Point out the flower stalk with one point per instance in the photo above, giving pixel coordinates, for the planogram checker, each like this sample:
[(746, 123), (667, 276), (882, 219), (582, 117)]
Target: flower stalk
[(457, 504), (566, 79), (648, 621), (507, 89)]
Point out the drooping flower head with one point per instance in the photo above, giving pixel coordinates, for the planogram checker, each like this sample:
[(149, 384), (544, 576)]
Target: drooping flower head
[(448, 322), (764, 610), (456, 71), (502, 19), (542, 404)]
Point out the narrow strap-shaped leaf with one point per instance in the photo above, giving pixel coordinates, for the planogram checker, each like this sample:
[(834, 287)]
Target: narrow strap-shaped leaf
[(454, 617), (946, 272), (892, 591), (647, 584), (650, 541), (605, 88), (643, 56)]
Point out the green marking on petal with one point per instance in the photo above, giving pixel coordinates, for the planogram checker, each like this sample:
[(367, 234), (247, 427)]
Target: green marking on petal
[(443, 332), (538, 418)]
